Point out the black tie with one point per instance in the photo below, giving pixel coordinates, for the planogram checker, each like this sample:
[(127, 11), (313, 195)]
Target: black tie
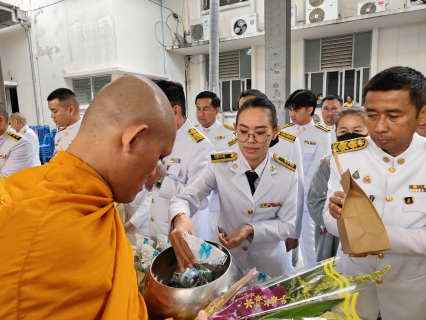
[(251, 177)]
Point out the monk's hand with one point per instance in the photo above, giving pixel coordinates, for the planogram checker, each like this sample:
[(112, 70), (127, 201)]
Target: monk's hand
[(127, 226), (237, 237), (184, 256), (336, 203), (291, 244)]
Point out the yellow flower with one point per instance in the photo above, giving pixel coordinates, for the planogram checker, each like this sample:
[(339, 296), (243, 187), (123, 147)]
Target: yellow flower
[(283, 300), (267, 303), (248, 303), (274, 300), (258, 299), (257, 305)]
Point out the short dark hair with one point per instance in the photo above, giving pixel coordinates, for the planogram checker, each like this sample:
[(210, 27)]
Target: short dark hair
[(64, 94), (399, 78), (302, 98), (251, 92), (348, 95), (3, 113), (260, 102), (354, 111), (208, 94), (175, 93), (332, 97)]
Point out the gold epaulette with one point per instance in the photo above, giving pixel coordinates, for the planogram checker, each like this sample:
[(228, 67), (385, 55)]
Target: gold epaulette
[(228, 126), (288, 125), (196, 135), (223, 156), (13, 136), (287, 136), (284, 162), (349, 145), (322, 128), (232, 141)]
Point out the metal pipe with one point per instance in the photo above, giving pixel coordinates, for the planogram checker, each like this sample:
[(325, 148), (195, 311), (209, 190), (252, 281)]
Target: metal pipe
[(214, 47), (2, 88), (33, 73), (162, 39)]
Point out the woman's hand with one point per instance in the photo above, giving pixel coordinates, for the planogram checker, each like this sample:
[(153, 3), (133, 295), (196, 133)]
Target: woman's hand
[(184, 256)]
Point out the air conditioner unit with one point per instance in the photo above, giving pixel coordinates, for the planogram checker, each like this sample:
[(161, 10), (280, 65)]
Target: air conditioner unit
[(412, 3), (321, 10), (200, 29), (245, 25), (371, 7), (293, 15)]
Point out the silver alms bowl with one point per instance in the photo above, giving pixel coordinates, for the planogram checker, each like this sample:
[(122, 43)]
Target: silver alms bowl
[(164, 302)]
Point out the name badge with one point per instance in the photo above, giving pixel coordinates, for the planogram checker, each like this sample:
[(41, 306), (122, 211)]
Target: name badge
[(219, 137), (175, 160), (417, 188), (312, 143), (271, 204)]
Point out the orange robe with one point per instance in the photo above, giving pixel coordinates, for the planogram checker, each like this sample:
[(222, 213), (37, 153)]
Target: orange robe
[(63, 250)]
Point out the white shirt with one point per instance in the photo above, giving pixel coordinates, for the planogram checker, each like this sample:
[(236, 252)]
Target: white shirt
[(271, 210), (16, 152), (28, 133), (332, 131), (391, 180), (219, 134), (64, 137)]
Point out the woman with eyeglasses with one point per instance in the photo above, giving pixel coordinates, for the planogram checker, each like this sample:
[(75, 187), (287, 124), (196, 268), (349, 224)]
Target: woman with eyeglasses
[(257, 192)]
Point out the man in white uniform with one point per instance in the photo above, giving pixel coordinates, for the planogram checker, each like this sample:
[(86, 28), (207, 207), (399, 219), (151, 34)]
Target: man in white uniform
[(219, 133), (190, 155), (315, 143), (288, 146), (16, 152), (18, 122), (331, 106), (389, 167), (64, 108)]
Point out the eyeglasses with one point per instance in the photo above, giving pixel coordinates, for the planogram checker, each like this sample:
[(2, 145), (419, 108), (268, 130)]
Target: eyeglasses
[(259, 137)]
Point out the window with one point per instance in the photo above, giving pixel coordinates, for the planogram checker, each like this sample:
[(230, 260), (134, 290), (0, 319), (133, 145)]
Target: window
[(234, 76), (86, 88), (205, 4)]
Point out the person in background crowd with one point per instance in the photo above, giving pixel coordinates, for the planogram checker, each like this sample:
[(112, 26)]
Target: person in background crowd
[(288, 146), (16, 151), (319, 100), (349, 101), (208, 107), (389, 168), (316, 144), (64, 108), (331, 106), (421, 130), (350, 123), (257, 193), (190, 155), (62, 236), (18, 122)]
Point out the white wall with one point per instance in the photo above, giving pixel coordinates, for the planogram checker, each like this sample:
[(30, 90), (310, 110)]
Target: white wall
[(403, 46)]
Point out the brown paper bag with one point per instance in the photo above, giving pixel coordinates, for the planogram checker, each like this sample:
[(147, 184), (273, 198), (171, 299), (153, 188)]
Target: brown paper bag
[(361, 229)]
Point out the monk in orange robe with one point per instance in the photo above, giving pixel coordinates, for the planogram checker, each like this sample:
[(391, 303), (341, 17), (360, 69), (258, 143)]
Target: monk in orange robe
[(63, 250)]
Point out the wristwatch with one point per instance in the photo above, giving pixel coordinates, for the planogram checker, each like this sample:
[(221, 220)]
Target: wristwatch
[(159, 182)]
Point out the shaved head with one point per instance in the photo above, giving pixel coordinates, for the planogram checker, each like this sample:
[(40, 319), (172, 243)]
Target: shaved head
[(18, 117), (127, 128)]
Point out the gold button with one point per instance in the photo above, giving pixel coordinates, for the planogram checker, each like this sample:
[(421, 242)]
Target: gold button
[(66, 134), (401, 161), (379, 281), (245, 248), (153, 200), (235, 166), (250, 211), (389, 198), (273, 168), (392, 169), (152, 219), (386, 159), (381, 256)]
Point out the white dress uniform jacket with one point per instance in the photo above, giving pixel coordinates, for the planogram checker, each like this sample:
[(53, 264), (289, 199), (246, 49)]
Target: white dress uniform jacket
[(271, 210), (28, 133), (16, 152), (399, 190), (332, 131), (315, 143), (64, 137), (190, 155)]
